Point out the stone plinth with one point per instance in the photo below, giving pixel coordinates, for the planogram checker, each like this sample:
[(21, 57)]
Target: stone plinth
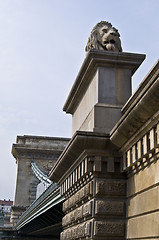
[(88, 173), (101, 89), (16, 212)]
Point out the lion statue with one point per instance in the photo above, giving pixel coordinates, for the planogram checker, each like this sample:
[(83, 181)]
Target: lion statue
[(104, 37)]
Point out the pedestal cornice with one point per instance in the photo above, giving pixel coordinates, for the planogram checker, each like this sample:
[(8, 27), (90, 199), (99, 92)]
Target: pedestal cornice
[(93, 60), (80, 142)]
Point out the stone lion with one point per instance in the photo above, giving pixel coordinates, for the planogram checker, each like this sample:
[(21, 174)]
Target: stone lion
[(104, 37)]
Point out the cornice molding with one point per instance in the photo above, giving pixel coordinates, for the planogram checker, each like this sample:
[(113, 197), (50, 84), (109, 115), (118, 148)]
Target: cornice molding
[(80, 142), (93, 60), (139, 109)]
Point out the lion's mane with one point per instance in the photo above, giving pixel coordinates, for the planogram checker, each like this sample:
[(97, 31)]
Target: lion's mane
[(95, 40)]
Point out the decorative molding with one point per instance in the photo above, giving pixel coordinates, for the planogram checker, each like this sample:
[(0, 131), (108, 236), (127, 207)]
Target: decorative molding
[(95, 228), (93, 60), (35, 154), (105, 207), (110, 187), (138, 110), (84, 170), (143, 150), (101, 207)]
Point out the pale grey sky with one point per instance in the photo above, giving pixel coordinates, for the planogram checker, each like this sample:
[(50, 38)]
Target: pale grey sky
[(42, 46)]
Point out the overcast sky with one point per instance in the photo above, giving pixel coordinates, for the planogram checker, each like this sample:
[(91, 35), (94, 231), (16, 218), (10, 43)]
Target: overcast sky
[(42, 46)]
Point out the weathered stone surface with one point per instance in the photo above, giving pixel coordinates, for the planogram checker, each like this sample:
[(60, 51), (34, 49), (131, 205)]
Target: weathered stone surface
[(100, 228), (44, 151), (106, 207), (103, 228), (104, 37), (144, 227), (80, 195), (139, 109), (144, 202), (137, 133), (85, 210), (142, 151), (144, 179), (101, 89), (79, 231), (111, 187), (80, 143), (16, 212)]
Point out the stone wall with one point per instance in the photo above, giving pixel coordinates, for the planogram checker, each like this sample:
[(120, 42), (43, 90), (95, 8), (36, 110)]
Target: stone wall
[(143, 186), (94, 189), (137, 136)]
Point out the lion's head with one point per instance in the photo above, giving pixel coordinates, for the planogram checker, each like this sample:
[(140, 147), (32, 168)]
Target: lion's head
[(104, 37)]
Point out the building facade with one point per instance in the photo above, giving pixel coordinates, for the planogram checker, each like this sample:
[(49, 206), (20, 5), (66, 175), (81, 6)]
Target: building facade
[(5, 205)]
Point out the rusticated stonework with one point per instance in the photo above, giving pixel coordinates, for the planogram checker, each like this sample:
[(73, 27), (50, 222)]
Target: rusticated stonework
[(105, 207), (79, 196), (93, 198), (109, 229), (77, 232), (110, 187), (78, 214)]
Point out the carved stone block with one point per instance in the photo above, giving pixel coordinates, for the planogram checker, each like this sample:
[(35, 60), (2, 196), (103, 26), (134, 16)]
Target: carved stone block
[(77, 232), (109, 229), (80, 195), (109, 207), (110, 187), (87, 209), (77, 214)]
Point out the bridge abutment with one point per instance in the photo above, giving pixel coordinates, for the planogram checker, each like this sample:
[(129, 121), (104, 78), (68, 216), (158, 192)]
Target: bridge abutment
[(94, 189), (89, 171)]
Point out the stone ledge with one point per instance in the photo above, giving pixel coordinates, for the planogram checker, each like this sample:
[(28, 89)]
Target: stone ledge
[(140, 108), (79, 142)]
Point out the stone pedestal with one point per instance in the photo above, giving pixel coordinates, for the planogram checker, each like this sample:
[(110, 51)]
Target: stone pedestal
[(101, 89), (88, 173)]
